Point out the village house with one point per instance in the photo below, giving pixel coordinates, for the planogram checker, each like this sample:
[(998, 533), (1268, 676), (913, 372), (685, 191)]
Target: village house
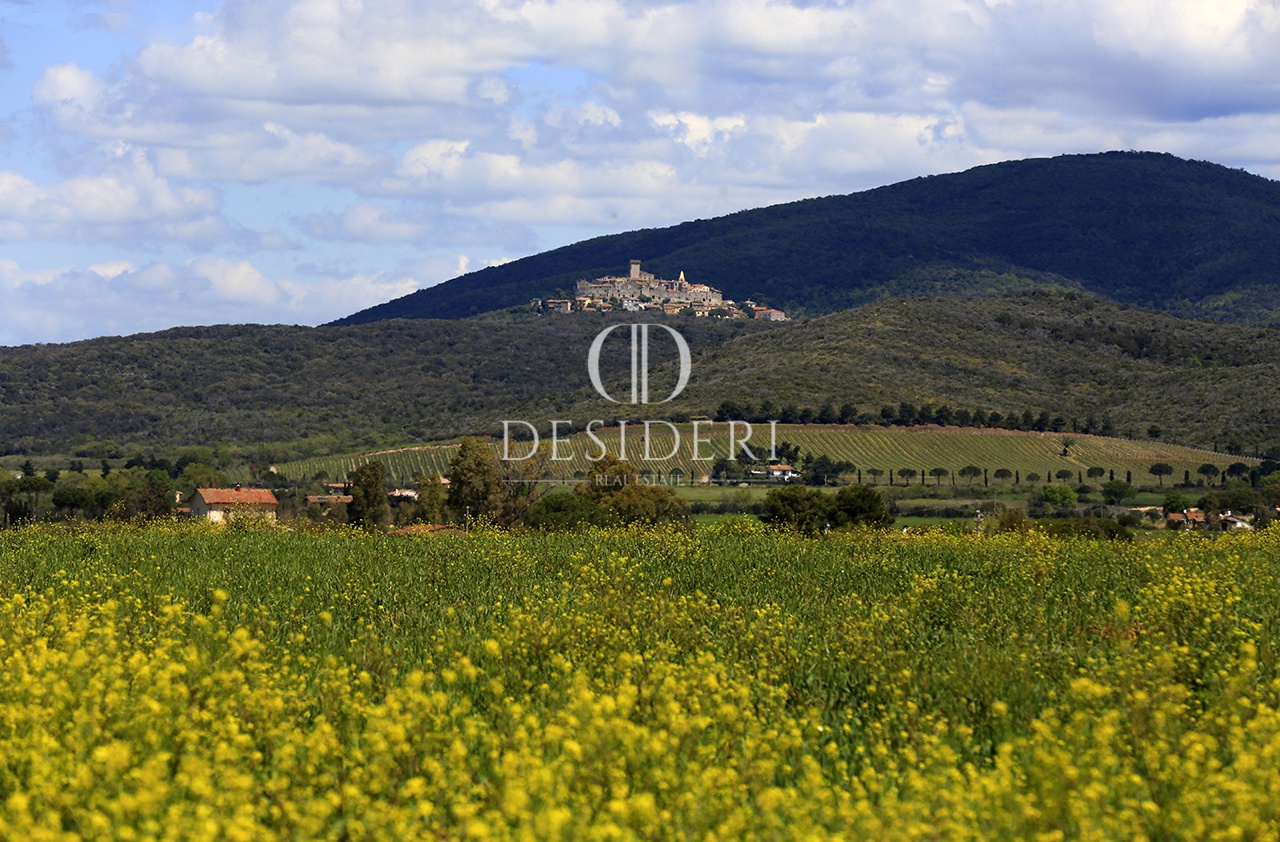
[(222, 504), (785, 473)]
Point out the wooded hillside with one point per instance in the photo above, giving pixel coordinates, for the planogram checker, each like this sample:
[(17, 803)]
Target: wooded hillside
[(1187, 237)]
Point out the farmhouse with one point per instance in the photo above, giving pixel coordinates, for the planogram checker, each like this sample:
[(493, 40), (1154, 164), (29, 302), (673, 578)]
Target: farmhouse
[(223, 504)]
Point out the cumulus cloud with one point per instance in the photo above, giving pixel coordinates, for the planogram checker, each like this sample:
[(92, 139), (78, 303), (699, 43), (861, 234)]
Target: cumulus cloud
[(696, 131), (126, 204), (68, 92)]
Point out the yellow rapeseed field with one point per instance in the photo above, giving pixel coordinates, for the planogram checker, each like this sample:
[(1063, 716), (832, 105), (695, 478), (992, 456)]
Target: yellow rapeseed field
[(185, 682)]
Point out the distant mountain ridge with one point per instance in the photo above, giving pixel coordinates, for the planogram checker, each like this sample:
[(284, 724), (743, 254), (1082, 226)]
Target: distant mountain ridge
[(1191, 238)]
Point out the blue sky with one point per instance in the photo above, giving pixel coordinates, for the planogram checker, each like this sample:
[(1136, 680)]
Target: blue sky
[(293, 161)]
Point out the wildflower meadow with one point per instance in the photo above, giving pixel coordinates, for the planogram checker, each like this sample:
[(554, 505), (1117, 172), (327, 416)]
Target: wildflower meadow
[(190, 682)]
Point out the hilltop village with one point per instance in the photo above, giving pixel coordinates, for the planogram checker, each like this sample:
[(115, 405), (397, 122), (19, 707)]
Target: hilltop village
[(641, 291)]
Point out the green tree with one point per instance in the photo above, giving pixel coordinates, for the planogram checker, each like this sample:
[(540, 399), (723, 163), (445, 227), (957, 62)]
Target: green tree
[(1175, 501), (804, 509), (147, 493), (1237, 498), (521, 484), (23, 497), (875, 474), (938, 474), (1063, 474), (475, 481), (606, 476), (1057, 497), (907, 474), (823, 470), (1160, 470), (72, 500), (429, 507), (1209, 471), (726, 470), (616, 485), (1095, 472), (369, 508), (199, 475), (560, 511), (640, 503), (858, 505), (1003, 474), (970, 472), (1116, 491)]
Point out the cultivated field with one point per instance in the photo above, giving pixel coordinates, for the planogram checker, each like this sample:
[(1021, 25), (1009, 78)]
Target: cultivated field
[(188, 682), (888, 450)]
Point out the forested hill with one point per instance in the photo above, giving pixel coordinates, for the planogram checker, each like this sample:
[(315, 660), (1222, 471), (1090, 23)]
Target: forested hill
[(306, 391), (1187, 237)]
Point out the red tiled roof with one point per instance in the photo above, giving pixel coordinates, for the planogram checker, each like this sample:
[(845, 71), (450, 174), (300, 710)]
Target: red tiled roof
[(234, 496)]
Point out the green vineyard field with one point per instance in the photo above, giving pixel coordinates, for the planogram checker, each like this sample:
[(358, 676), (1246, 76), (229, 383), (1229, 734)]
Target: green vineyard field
[(889, 450)]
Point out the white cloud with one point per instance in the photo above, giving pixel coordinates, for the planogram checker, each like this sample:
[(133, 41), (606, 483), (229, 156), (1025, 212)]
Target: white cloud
[(696, 131), (70, 303), (274, 152), (111, 270), (367, 223), (433, 159), (235, 281), (314, 51), (69, 92), (128, 203)]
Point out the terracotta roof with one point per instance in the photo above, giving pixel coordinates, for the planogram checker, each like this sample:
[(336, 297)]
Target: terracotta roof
[(241, 496)]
